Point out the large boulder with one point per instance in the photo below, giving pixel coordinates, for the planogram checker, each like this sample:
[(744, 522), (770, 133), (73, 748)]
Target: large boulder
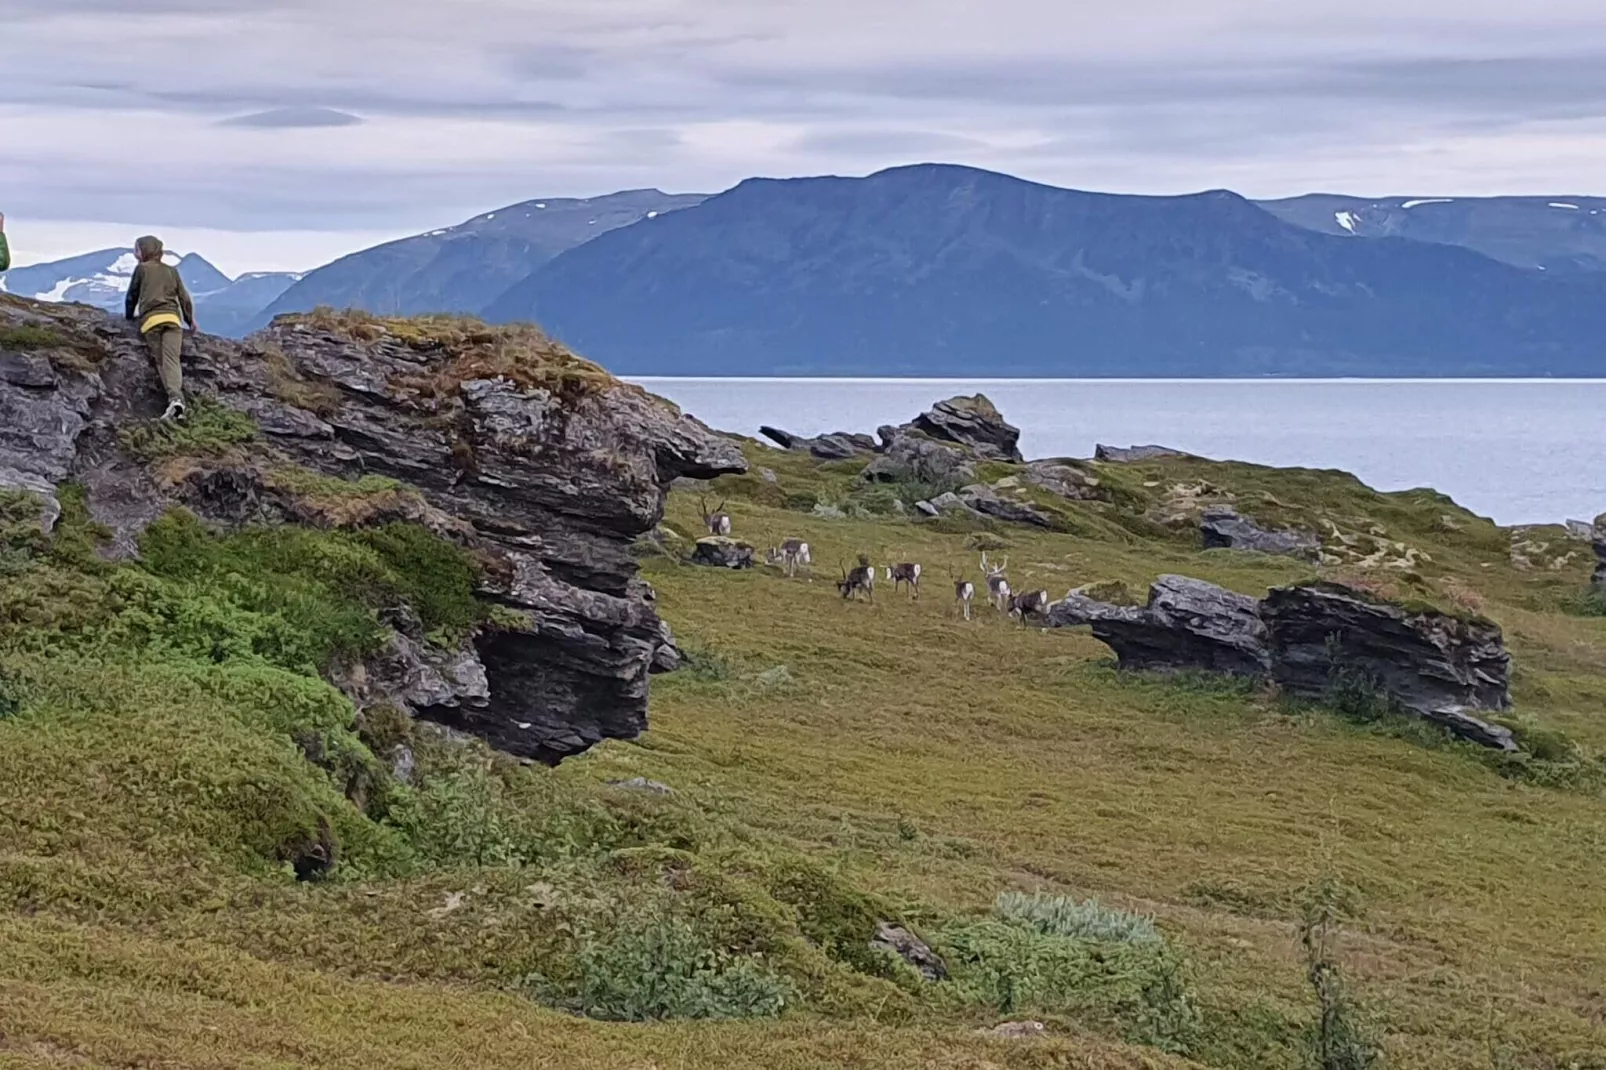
[(986, 500), (973, 423), (542, 466), (1187, 624), (1223, 528), (1068, 479), (722, 551), (1433, 663)]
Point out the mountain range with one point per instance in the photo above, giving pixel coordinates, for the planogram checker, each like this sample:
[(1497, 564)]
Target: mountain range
[(222, 305), (941, 270)]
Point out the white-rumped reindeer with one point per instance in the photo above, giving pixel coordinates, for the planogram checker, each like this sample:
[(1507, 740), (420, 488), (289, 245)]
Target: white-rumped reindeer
[(1028, 604), (718, 522), (861, 578), (998, 591), (908, 572), (789, 555), (964, 594)]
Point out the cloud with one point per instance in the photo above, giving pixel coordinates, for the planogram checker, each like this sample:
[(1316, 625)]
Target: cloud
[(413, 114), (294, 118)]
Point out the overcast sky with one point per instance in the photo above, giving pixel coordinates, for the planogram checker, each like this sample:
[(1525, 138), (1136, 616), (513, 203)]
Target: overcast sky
[(281, 133)]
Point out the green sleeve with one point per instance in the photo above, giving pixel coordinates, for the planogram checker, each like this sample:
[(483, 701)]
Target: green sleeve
[(5, 253)]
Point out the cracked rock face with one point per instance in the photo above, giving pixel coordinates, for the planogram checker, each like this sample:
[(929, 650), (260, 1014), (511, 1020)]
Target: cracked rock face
[(1187, 624), (549, 486)]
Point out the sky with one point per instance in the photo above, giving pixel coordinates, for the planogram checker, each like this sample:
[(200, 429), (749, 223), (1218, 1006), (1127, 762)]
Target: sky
[(279, 134)]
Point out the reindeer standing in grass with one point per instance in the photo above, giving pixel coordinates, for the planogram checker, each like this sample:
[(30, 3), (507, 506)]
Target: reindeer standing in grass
[(1028, 604), (964, 594), (861, 578), (789, 555), (908, 572), (998, 591), (718, 522)]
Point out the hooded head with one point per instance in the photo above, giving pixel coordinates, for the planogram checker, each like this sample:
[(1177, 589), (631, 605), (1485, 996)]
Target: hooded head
[(148, 248)]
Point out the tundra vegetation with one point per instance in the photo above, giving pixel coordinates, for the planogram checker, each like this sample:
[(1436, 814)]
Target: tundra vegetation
[(1166, 872)]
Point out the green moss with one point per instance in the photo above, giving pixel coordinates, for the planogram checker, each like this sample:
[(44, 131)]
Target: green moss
[(27, 336), (209, 430)]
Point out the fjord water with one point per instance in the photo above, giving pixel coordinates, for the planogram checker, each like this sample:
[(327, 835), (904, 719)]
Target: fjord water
[(1518, 451)]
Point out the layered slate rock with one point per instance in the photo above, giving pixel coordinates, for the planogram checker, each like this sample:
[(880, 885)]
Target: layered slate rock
[(1309, 639), (1224, 528), (1423, 659), (973, 423), (1188, 624), (832, 446), (545, 471)]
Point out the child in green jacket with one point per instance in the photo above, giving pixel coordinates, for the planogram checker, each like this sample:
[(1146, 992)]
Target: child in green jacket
[(158, 298)]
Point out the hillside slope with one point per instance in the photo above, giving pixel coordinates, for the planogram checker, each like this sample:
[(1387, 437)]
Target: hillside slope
[(464, 267), (223, 841), (936, 270)]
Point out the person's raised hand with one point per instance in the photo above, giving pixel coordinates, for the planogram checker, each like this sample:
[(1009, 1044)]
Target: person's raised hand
[(2, 222)]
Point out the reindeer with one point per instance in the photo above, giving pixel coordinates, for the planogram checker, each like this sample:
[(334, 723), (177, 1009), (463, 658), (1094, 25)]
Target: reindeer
[(964, 593), (789, 555), (718, 522), (997, 583), (861, 578), (1028, 604), (908, 572)]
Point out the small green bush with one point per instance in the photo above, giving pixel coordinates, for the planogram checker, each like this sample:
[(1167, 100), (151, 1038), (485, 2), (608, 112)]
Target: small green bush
[(28, 336), (1055, 915), (644, 957)]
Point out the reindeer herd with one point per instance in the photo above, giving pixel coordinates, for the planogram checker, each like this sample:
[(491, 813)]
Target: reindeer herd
[(793, 554)]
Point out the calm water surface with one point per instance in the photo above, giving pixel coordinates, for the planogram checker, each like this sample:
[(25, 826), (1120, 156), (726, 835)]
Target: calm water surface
[(1520, 451)]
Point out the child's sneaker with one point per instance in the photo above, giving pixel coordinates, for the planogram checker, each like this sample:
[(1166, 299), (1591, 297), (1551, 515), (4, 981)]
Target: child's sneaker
[(175, 411)]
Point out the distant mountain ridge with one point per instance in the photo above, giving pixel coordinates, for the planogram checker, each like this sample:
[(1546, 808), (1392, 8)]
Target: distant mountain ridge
[(1558, 234), (465, 267), (946, 270)]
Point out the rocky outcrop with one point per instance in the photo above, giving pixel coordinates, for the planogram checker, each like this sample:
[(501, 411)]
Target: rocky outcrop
[(832, 446), (721, 551), (1133, 454), (1187, 625), (1223, 528), (1310, 639), (974, 424), (910, 457), (542, 466), (909, 947)]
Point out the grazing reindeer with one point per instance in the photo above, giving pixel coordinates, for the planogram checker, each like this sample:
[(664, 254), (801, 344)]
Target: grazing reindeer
[(908, 572), (860, 579), (964, 593), (718, 522), (997, 583), (1029, 604), (789, 555)]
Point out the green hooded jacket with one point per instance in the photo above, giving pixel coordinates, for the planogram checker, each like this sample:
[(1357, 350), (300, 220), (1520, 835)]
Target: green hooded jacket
[(5, 252)]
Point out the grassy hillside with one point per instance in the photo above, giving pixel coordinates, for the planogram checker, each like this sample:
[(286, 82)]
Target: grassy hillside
[(168, 757)]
